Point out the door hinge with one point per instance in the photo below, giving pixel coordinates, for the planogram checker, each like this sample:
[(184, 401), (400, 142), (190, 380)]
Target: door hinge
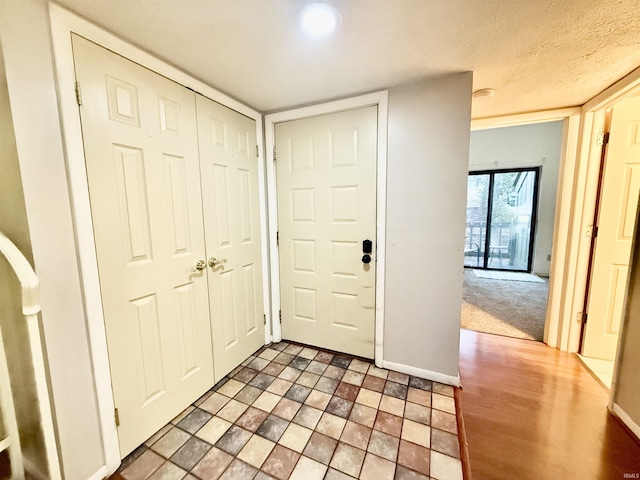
[(257, 152), (264, 317), (584, 318), (116, 416), (280, 315), (278, 238), (274, 153), (592, 231), (78, 94), (603, 138)]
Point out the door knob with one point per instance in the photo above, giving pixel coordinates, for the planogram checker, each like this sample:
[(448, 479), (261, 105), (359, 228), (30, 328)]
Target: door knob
[(366, 258), (214, 262), (200, 265)]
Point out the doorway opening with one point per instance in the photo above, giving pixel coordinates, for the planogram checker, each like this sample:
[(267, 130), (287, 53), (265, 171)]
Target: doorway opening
[(511, 199), (611, 238)]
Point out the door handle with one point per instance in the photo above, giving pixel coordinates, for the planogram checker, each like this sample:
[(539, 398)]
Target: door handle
[(214, 262), (200, 265)]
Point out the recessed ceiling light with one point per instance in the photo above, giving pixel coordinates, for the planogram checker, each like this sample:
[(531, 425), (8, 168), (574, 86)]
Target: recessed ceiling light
[(484, 93), (319, 19)]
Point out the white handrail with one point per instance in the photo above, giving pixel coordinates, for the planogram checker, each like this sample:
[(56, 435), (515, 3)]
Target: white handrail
[(30, 298)]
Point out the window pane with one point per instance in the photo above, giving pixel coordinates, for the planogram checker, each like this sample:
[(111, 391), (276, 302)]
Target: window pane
[(477, 207), (511, 212)]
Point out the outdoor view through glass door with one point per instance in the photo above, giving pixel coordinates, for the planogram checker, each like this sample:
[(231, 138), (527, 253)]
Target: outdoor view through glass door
[(501, 209)]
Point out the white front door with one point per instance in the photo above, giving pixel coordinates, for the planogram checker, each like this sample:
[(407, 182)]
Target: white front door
[(141, 148), (326, 184), (617, 216), (229, 169)]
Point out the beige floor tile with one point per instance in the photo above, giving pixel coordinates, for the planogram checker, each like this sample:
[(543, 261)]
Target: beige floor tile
[(363, 415), (444, 467), (318, 399), (359, 365), (444, 421), (443, 403), (369, 398), (269, 354), (214, 403), (421, 397), (266, 401), (384, 445), (416, 432), (212, 464), (376, 468), (308, 417), (392, 405), (213, 430), (171, 442), (356, 435), (295, 437), (168, 471), (308, 379), (398, 377), (143, 467), (331, 425), (308, 469), (348, 459), (286, 409), (417, 413), (308, 353), (443, 389), (232, 410), (378, 372), (279, 386), (353, 377), (231, 388), (256, 451)]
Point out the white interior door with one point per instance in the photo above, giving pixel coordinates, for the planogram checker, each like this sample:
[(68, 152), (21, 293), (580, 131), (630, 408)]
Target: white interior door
[(229, 169), (141, 148), (326, 184), (617, 216)]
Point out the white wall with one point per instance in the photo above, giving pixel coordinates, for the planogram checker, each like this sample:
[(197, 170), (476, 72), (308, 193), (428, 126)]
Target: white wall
[(428, 159), (26, 45), (535, 145)]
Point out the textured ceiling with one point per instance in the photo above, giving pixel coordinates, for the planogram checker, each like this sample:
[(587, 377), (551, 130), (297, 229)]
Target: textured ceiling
[(537, 54)]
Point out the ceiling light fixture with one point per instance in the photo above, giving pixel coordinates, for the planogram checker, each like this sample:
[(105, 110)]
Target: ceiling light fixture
[(319, 19), (484, 93)]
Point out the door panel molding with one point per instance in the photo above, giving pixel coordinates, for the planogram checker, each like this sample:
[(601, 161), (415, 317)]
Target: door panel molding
[(63, 24), (381, 100)]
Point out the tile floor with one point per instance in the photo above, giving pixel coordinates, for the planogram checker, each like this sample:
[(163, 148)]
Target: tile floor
[(295, 413)]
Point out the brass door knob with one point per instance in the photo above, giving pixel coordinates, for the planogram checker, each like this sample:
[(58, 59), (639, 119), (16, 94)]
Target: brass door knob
[(214, 262)]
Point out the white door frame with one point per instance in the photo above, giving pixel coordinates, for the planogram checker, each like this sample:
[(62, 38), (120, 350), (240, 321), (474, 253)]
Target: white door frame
[(63, 24), (381, 100), (567, 171)]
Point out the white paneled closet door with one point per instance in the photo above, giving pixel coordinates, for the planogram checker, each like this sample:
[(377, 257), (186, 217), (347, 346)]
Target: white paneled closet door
[(143, 171), (229, 170)]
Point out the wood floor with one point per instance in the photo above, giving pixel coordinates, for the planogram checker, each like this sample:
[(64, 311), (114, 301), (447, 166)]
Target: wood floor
[(533, 412)]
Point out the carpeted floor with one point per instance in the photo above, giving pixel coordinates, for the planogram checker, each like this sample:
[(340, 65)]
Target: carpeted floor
[(504, 307)]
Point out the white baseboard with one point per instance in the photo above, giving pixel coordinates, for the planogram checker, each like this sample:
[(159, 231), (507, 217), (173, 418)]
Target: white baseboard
[(626, 419), (422, 373)]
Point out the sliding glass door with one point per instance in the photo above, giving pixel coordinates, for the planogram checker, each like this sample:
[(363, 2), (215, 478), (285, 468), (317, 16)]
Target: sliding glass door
[(501, 209)]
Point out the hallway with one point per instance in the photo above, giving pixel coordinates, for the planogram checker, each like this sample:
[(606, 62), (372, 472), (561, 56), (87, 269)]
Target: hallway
[(532, 412)]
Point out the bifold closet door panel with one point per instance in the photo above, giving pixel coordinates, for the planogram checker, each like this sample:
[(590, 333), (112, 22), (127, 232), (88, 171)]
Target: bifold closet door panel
[(229, 174), (141, 148)]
